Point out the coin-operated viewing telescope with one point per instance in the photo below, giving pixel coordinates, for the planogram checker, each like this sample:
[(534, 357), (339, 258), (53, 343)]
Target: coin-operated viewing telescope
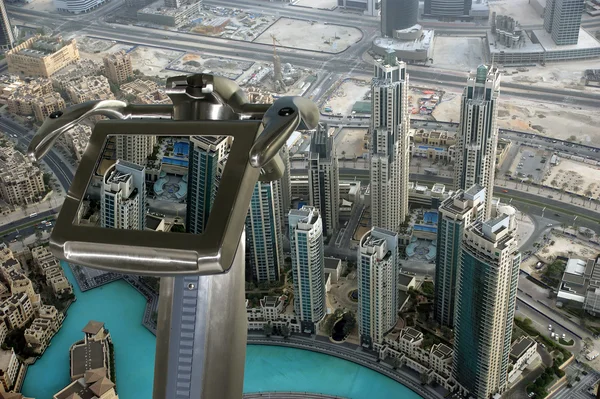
[(215, 146)]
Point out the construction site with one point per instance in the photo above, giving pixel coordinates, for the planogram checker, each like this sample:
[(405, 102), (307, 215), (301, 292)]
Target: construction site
[(229, 23)]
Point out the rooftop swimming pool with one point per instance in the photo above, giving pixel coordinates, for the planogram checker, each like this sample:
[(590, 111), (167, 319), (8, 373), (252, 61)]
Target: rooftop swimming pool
[(268, 368)]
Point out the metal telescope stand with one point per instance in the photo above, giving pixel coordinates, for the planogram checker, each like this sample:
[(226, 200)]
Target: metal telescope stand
[(201, 326)]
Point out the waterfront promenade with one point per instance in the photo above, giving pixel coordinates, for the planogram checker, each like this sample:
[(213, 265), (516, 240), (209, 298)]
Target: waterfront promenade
[(356, 355), (88, 279)]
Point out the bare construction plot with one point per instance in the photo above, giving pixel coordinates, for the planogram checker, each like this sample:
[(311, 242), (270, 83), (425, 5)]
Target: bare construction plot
[(307, 35), (349, 92), (576, 177), (457, 53), (520, 10), (195, 63), (97, 48), (349, 142), (154, 61)]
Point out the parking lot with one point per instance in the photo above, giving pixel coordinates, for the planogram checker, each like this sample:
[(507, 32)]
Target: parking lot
[(530, 163)]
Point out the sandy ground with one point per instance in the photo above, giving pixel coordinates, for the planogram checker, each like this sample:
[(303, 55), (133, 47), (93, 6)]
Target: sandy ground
[(41, 5), (98, 48), (347, 94), (457, 53), (558, 121), (576, 177), (562, 74), (195, 63), (152, 61), (286, 31), (248, 25), (520, 10), (350, 141), (565, 246), (323, 4), (525, 227)]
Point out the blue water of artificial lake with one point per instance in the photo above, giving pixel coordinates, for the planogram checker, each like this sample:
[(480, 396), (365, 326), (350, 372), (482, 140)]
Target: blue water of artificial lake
[(268, 368)]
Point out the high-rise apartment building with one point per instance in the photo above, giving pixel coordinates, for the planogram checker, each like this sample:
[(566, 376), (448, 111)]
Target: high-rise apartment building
[(206, 152), (456, 213), (562, 19), (389, 143), (397, 15), (308, 263), (264, 252), (178, 3), (378, 268), (21, 182), (324, 179), (486, 293), (123, 197), (134, 148), (285, 189), (7, 35), (117, 67), (477, 137)]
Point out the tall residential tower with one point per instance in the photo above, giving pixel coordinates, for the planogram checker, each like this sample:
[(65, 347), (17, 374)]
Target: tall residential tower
[(389, 143), (455, 215), (562, 19), (264, 252), (135, 148), (308, 262), (378, 268), (397, 15), (486, 294), (7, 36), (477, 137), (123, 197), (323, 179)]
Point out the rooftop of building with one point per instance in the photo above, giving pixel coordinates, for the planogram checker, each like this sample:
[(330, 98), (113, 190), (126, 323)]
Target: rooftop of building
[(442, 351), (152, 222), (527, 46), (405, 279), (411, 334), (422, 43), (332, 263), (158, 8), (586, 41), (307, 214), (576, 267), (93, 327), (521, 346), (5, 357), (79, 389), (87, 356)]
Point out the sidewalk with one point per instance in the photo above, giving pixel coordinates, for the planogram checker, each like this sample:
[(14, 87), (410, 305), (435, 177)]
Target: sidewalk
[(53, 202)]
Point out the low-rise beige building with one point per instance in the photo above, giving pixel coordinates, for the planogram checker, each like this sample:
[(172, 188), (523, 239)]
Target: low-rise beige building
[(49, 267), (41, 56), (76, 139), (276, 311), (138, 87), (76, 71), (155, 97), (20, 100), (12, 372), (8, 85), (16, 311), (46, 105), (117, 67), (91, 353), (20, 283), (43, 328), (94, 384), (89, 88), (20, 181)]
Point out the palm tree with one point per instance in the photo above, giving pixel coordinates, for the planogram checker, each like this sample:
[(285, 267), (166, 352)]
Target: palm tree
[(285, 331), (396, 363)]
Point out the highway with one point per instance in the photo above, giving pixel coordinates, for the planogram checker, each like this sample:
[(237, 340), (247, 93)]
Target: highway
[(333, 63)]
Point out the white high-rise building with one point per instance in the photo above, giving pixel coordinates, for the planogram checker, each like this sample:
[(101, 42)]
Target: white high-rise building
[(477, 137), (264, 252), (123, 197), (324, 179), (285, 189), (486, 295), (389, 144), (456, 214), (378, 268), (135, 148), (308, 264)]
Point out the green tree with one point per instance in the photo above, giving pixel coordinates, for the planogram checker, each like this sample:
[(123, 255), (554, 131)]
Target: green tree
[(396, 363), (285, 331), (268, 329), (178, 228), (350, 320), (424, 378)]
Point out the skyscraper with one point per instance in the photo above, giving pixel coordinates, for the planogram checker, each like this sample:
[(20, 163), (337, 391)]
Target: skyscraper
[(378, 267), (477, 137), (562, 19), (285, 189), (323, 179), (7, 36), (264, 252), (389, 143), (455, 215), (206, 152), (398, 14), (306, 243), (135, 148), (485, 305), (123, 197)]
